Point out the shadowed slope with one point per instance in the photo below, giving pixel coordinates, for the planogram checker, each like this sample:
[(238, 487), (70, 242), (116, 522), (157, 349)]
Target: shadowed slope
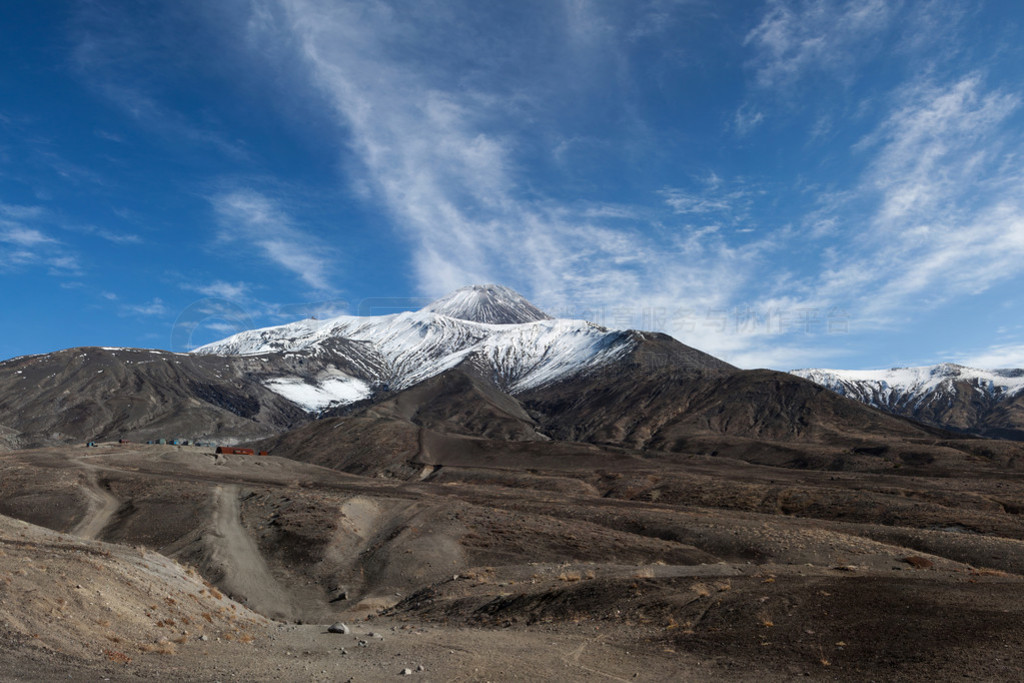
[(97, 394)]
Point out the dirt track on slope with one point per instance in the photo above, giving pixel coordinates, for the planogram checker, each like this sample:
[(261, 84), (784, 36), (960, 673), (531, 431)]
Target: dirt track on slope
[(102, 506), (247, 577)]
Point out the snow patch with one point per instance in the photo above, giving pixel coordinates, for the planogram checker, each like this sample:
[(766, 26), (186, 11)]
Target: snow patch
[(332, 391)]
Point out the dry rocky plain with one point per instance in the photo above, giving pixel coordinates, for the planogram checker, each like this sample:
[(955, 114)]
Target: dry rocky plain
[(173, 563)]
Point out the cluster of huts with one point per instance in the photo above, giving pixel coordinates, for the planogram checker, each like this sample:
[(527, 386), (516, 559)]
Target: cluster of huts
[(226, 450), (174, 442)]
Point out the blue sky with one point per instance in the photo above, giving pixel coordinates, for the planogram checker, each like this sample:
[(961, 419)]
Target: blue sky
[(782, 184)]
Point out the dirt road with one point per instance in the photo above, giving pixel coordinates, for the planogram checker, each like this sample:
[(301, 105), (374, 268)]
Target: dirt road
[(102, 506), (246, 575)]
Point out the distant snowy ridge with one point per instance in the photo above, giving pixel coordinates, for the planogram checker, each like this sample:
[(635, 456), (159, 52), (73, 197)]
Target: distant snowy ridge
[(393, 352), (916, 386)]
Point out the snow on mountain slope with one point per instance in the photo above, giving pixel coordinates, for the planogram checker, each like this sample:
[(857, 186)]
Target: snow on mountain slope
[(397, 351), (916, 386), (323, 393)]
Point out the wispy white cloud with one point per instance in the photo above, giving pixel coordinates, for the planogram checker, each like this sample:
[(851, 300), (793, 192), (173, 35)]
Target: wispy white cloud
[(63, 265), (155, 307), (699, 202), (612, 211), (217, 314), (152, 114), (68, 171), (747, 118), (798, 37), (322, 310), (107, 135), (15, 229), (22, 236), (226, 329), (221, 289), (948, 220), (789, 356), (935, 146), (23, 246), (713, 198), (107, 234), (997, 356), (248, 217), (18, 212), (30, 231)]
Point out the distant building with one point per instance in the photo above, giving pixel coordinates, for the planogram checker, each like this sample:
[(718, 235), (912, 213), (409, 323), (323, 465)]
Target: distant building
[(230, 450)]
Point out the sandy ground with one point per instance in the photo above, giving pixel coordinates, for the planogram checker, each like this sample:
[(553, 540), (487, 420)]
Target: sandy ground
[(134, 614), (166, 563)]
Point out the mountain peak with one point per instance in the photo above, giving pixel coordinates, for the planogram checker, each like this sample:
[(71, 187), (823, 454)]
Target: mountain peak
[(491, 304)]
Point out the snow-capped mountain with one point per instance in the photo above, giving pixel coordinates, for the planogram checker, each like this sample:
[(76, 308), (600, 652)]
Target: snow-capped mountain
[(492, 327), (513, 374), (948, 395), (492, 304)]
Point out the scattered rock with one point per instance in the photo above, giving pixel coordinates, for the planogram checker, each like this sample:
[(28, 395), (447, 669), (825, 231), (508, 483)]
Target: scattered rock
[(338, 628), (918, 562), (407, 672)]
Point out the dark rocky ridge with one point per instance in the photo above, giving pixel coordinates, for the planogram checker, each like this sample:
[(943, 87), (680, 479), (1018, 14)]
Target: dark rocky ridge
[(101, 394)]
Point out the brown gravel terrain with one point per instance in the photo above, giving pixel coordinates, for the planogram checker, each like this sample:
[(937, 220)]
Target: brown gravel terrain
[(575, 563)]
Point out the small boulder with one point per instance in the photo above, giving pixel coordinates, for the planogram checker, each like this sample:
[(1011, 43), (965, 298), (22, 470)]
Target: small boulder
[(918, 562), (338, 628)]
